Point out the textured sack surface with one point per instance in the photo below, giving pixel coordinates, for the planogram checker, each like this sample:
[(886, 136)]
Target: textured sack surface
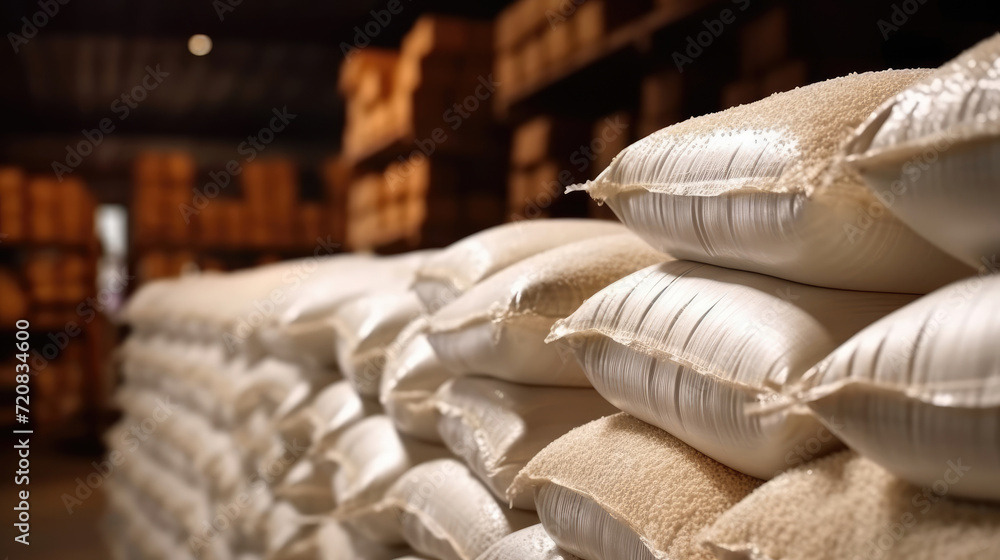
[(932, 153), (653, 483), (757, 187), (447, 514), (690, 347), (532, 543), (411, 376), (847, 507), (364, 328), (455, 269), (920, 386), (498, 327), (497, 427)]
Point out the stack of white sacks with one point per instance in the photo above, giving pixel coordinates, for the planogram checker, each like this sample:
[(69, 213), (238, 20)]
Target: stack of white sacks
[(788, 351)]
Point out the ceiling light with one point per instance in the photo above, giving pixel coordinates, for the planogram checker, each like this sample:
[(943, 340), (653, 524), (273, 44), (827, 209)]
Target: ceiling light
[(200, 45)]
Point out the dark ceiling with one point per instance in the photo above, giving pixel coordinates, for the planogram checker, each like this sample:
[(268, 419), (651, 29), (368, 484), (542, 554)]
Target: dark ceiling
[(71, 73)]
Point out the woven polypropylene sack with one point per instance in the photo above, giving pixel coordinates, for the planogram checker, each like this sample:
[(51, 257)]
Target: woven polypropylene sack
[(366, 459), (498, 327), (465, 263), (921, 386), (532, 543), (847, 507), (497, 426), (656, 489), (758, 187), (364, 329), (932, 155), (411, 376), (295, 329), (447, 514), (693, 348)]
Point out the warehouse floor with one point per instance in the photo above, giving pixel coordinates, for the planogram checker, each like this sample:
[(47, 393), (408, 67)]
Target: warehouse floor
[(54, 532)]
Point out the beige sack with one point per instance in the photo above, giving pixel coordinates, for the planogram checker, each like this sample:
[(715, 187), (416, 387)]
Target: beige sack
[(845, 507), (655, 486), (758, 187)]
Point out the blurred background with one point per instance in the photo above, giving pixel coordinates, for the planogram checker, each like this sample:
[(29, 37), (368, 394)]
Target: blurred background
[(142, 140)]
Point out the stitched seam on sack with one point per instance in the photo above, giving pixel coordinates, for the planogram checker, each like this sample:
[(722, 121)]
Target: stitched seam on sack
[(925, 396), (667, 356)]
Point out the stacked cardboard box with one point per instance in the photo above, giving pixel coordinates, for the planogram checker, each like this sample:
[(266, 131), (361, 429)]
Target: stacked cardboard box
[(13, 299), (164, 186), (536, 37), (430, 95), (765, 63), (270, 189), (661, 97), (547, 154), (416, 137), (13, 205)]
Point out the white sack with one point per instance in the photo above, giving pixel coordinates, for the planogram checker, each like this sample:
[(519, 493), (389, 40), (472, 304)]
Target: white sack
[(932, 155), (619, 488), (465, 263), (759, 187), (692, 348), (497, 427), (411, 376), (921, 387), (364, 328), (532, 543), (498, 327), (447, 514)]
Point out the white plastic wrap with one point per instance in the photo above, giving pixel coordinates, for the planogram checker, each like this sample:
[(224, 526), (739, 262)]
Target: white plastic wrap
[(447, 514), (364, 329), (411, 376), (759, 187), (932, 154), (845, 506), (532, 543), (455, 269), (640, 484), (922, 387), (692, 348), (497, 427), (498, 327)]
